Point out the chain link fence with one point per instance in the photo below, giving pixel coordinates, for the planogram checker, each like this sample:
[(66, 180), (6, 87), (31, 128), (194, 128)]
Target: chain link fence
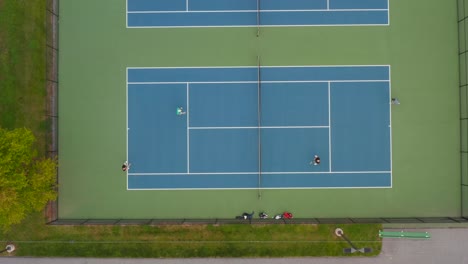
[(52, 43), (431, 220), (52, 49), (463, 59)]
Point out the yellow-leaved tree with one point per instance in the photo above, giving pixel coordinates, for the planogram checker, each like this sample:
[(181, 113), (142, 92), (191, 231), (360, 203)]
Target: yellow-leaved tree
[(26, 181)]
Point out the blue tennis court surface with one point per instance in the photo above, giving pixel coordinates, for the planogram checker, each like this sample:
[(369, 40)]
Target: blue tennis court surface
[(253, 13), (259, 128)]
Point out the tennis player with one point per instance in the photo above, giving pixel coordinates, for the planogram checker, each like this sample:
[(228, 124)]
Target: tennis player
[(316, 160), (126, 166), (180, 111)]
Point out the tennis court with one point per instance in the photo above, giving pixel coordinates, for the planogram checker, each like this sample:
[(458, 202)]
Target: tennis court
[(316, 79), (259, 127), (249, 13)]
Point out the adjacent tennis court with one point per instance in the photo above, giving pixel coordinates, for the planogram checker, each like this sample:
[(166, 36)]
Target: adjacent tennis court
[(249, 13), (259, 127)]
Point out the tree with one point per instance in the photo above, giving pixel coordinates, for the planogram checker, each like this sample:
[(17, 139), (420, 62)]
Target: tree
[(26, 181)]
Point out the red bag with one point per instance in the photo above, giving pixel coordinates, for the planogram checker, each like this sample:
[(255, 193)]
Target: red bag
[(287, 215)]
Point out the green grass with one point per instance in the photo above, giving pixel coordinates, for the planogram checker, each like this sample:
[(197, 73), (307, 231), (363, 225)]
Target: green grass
[(22, 66), (33, 238)]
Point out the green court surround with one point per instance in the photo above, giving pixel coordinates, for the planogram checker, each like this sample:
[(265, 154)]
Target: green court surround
[(420, 44)]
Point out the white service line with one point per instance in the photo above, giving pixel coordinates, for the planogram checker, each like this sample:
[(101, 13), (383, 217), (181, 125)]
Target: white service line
[(256, 127)]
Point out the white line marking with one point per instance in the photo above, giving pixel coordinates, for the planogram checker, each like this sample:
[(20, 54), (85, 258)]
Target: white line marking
[(269, 127), (327, 172), (255, 11), (145, 83), (358, 10), (187, 110), (186, 5), (282, 188), (243, 26), (193, 11), (254, 82), (126, 13), (255, 173), (263, 127), (209, 128), (329, 129), (126, 121), (388, 12), (390, 124), (337, 172), (328, 4), (255, 67)]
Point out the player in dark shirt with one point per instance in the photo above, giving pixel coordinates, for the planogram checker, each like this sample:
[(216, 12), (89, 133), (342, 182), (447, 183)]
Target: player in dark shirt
[(316, 160)]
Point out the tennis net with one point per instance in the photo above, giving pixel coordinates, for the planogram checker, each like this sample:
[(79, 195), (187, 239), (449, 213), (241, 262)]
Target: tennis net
[(258, 18), (259, 120)]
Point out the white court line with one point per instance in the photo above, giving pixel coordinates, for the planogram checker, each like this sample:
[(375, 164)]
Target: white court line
[(330, 10), (193, 11), (269, 127), (329, 130), (254, 82), (186, 5), (329, 66), (256, 173), (390, 127), (255, 11), (328, 172), (279, 188), (263, 188), (255, 67), (328, 4), (126, 121), (267, 26), (262, 127), (388, 12), (188, 130)]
